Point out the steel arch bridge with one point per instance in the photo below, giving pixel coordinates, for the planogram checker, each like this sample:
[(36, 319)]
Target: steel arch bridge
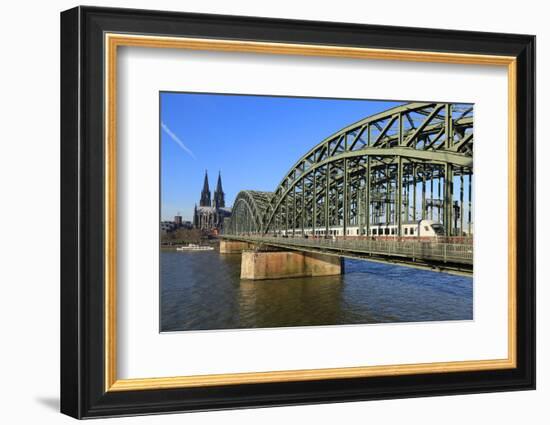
[(248, 212), (407, 163)]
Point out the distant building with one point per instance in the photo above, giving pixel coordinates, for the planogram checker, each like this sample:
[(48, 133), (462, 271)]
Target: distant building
[(169, 226), (210, 214)]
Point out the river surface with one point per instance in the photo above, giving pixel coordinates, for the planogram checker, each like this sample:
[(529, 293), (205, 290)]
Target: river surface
[(203, 291)]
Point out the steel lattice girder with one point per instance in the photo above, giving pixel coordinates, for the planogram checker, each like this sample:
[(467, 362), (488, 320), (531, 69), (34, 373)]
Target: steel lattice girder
[(426, 140), (249, 210), (433, 133)]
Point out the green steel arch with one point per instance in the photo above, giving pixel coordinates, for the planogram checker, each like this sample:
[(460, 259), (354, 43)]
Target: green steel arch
[(248, 212), (373, 170)]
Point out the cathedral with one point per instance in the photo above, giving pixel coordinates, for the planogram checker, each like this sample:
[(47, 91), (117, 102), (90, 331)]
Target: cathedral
[(210, 213)]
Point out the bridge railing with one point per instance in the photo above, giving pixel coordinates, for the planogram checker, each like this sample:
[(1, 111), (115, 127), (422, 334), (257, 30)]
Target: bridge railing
[(425, 250)]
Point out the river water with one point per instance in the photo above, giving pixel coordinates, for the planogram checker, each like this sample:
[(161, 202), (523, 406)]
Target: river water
[(203, 291)]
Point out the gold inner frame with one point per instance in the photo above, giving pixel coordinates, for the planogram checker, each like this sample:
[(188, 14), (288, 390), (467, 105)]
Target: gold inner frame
[(113, 41)]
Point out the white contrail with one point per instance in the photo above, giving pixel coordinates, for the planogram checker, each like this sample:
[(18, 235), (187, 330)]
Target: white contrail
[(177, 140)]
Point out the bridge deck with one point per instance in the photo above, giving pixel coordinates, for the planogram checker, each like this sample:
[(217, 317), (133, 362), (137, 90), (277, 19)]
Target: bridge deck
[(434, 253)]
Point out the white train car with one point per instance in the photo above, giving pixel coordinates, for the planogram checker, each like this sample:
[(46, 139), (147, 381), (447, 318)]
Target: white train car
[(420, 229)]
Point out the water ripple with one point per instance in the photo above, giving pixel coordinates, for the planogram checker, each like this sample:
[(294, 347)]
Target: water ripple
[(203, 291)]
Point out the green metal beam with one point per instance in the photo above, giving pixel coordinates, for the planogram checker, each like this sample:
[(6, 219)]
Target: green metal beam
[(398, 207), (345, 197), (408, 141)]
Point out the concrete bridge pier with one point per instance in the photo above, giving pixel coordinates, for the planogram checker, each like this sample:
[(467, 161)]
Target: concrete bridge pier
[(288, 264), (234, 247)]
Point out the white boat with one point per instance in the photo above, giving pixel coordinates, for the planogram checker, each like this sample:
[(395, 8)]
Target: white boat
[(195, 247)]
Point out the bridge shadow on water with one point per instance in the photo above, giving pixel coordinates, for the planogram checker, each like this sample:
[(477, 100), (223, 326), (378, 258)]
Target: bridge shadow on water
[(203, 291)]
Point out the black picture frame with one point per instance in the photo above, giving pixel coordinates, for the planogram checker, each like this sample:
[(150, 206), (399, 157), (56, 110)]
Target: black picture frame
[(83, 392)]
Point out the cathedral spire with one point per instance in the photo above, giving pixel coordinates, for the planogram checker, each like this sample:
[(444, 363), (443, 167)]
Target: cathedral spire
[(205, 194), (219, 196), (219, 185), (205, 187)]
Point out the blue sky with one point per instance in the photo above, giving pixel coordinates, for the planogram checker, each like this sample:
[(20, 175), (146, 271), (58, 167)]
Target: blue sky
[(252, 140)]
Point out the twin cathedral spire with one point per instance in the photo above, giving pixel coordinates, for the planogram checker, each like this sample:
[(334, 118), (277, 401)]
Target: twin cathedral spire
[(209, 216), (219, 196)]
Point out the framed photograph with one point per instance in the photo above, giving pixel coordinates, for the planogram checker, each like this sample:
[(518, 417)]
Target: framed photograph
[(261, 212)]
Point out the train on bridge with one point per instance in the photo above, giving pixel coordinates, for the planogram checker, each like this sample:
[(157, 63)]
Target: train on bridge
[(424, 229)]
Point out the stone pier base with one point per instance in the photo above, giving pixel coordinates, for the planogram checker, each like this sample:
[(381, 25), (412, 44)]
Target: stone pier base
[(287, 264), (233, 247)]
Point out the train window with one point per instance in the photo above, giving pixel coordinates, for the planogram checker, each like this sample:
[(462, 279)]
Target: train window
[(406, 230), (438, 229), (374, 231), (393, 231), (426, 228), (357, 231), (386, 231)]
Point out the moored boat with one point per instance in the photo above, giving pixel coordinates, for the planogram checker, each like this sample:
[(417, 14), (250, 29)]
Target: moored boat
[(195, 247)]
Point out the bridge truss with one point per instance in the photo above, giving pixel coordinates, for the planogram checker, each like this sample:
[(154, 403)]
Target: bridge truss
[(408, 163), (248, 212)]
